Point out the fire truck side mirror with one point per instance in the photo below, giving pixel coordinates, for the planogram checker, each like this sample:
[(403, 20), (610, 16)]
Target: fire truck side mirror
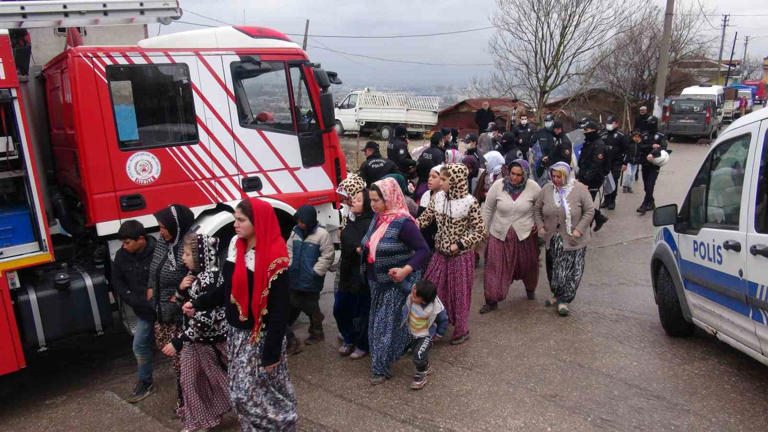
[(328, 110), (321, 76)]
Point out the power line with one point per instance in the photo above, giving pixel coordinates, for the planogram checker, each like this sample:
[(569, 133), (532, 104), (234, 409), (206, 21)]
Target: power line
[(701, 8), (401, 61), (206, 17)]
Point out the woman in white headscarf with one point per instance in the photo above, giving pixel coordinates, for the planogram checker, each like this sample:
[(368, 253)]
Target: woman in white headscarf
[(494, 162)]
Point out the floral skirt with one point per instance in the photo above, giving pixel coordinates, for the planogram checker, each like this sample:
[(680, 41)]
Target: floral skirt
[(507, 261), (264, 401), (566, 271), (203, 385), (453, 276)]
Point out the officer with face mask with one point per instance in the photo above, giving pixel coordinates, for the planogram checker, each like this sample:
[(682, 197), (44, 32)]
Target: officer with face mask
[(523, 134), (562, 149), (545, 139), (649, 148), (616, 147), (593, 165)]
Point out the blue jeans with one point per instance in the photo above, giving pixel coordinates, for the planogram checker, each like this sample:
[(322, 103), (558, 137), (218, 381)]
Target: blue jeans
[(143, 346)]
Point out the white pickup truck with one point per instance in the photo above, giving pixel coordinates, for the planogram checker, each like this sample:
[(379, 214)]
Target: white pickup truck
[(731, 110), (369, 111)]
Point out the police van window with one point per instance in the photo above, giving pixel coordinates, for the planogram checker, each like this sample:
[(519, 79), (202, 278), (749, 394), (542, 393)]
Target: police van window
[(715, 197), (304, 112), (761, 200), (153, 105), (261, 95)]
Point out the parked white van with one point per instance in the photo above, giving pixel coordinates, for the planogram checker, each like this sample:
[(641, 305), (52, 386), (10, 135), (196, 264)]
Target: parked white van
[(715, 92), (710, 257)]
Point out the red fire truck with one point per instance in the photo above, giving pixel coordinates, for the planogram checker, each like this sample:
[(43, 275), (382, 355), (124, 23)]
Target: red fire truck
[(202, 118)]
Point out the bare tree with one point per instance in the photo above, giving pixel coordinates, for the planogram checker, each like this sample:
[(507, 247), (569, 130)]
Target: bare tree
[(541, 45), (752, 68)]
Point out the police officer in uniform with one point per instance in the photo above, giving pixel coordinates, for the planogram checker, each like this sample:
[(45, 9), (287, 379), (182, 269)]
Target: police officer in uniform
[(435, 154), (650, 147), (593, 165), (375, 166), (562, 148), (397, 150), (545, 139), (616, 149), (523, 135)]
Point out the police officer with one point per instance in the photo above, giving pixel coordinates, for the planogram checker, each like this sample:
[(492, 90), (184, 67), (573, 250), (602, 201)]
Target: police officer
[(435, 154), (616, 144), (397, 149), (375, 166), (545, 139), (524, 134), (593, 165), (562, 148), (650, 147)]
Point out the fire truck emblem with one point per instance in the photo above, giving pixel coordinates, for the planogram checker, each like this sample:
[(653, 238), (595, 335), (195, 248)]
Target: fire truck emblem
[(143, 168)]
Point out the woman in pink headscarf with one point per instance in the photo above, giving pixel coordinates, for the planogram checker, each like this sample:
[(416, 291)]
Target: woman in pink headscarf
[(393, 255)]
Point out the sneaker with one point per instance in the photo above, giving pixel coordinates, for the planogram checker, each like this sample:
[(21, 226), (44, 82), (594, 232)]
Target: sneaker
[(293, 346), (562, 309), (550, 302), (141, 391), (488, 308), (419, 381), (314, 338), (358, 354), (460, 340), (378, 379), (346, 349)]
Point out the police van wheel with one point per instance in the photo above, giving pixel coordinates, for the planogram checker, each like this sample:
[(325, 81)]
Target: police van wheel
[(670, 312)]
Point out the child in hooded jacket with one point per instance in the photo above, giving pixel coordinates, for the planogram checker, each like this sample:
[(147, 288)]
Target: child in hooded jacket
[(427, 321)]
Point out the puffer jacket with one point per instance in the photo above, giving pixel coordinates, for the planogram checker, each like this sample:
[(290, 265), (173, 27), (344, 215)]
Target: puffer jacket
[(311, 256)]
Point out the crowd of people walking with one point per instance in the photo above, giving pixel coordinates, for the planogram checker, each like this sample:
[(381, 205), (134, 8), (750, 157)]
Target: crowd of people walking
[(412, 234)]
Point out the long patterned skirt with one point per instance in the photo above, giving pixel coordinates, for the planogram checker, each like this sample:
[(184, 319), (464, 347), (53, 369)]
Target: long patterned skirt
[(453, 277), (567, 269), (507, 261), (204, 385), (263, 401), (163, 335), (387, 336)]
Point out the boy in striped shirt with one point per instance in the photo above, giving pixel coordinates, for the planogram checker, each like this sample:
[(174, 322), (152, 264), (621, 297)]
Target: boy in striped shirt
[(427, 321)]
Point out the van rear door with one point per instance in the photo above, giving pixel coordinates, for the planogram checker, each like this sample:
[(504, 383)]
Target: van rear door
[(713, 244), (757, 241), (689, 116)]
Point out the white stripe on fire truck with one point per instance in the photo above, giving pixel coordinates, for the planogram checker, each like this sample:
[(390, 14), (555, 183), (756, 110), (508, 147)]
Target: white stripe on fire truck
[(201, 185), (194, 155)]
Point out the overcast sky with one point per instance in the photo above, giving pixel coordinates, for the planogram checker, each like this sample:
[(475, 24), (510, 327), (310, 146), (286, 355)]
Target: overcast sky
[(391, 17)]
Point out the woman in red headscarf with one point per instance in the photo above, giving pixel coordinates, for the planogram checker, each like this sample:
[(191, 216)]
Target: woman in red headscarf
[(255, 295)]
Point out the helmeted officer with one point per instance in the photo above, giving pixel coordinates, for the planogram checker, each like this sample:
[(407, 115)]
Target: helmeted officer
[(397, 149), (616, 149), (375, 166), (562, 148), (593, 165), (649, 148)]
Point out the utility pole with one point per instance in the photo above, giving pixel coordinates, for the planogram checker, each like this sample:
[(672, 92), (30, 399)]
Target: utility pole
[(661, 73), (744, 58), (722, 41), (730, 62), (298, 100)]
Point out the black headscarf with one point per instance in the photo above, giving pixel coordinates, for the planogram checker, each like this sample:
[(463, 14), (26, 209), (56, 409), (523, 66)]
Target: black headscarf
[(177, 219)]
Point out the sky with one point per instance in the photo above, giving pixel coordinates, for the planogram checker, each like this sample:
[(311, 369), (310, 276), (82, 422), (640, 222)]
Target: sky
[(458, 57)]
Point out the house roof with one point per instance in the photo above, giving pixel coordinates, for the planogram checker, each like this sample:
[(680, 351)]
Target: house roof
[(477, 103)]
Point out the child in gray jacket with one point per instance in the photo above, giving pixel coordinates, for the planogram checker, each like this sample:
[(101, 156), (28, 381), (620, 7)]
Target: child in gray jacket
[(311, 252)]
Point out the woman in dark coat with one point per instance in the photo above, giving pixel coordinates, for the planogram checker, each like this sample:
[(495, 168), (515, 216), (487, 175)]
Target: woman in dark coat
[(165, 275)]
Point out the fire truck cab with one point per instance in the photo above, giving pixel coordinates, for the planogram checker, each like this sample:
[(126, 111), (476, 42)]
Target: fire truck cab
[(201, 118)]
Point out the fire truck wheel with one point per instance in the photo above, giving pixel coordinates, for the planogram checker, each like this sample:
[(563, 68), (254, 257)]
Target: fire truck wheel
[(339, 128), (385, 132)]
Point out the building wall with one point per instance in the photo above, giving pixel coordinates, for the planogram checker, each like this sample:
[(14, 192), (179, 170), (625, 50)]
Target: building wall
[(46, 44)]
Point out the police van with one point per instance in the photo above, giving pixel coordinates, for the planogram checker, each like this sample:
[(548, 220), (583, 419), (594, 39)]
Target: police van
[(710, 255)]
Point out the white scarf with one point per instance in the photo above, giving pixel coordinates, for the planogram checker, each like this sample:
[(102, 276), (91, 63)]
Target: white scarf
[(562, 202)]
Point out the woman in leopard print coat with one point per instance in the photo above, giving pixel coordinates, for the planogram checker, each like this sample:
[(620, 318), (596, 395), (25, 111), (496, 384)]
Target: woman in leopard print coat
[(460, 228)]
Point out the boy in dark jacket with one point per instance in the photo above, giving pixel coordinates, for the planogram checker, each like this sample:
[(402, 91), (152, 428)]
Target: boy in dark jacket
[(130, 276), (311, 253)]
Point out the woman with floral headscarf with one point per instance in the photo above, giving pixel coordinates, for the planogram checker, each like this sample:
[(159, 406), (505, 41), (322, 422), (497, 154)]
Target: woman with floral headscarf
[(512, 252), (203, 339), (255, 295), (494, 162), (563, 213), (460, 227), (393, 253), (166, 272)]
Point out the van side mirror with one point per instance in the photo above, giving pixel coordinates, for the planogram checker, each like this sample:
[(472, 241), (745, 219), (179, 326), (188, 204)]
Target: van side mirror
[(328, 110), (665, 215)]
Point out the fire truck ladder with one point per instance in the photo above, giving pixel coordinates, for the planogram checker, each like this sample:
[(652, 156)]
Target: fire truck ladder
[(85, 13)]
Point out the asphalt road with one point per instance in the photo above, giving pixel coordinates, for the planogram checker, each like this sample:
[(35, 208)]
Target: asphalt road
[(609, 366)]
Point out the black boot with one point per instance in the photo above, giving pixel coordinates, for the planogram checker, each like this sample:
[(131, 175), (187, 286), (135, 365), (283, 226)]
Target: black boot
[(600, 220), (604, 204), (612, 205)]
